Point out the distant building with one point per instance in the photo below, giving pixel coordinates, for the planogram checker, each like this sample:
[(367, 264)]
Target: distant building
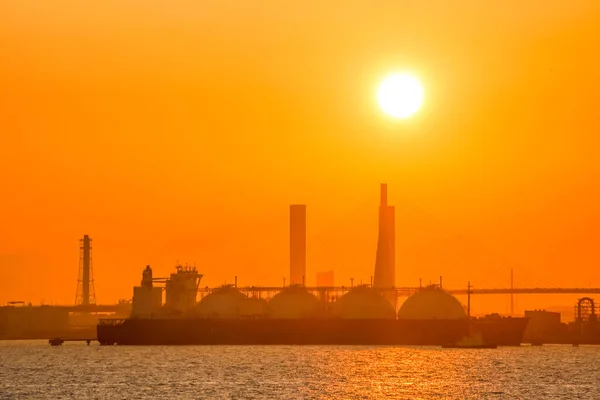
[(543, 326), (325, 279), (32, 321)]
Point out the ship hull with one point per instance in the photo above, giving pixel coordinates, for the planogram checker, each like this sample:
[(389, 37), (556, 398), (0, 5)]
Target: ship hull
[(472, 346), (502, 331), (300, 332)]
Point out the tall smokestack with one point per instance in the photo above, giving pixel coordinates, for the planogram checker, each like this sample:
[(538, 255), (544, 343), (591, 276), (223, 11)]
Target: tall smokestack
[(385, 268), (85, 295), (86, 271), (391, 231), (297, 244)]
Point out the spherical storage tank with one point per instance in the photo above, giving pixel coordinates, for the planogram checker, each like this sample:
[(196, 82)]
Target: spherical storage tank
[(295, 302), (224, 302), (432, 302), (253, 308), (363, 302)]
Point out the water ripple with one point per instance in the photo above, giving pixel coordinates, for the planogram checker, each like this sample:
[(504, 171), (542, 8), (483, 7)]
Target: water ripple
[(33, 369)]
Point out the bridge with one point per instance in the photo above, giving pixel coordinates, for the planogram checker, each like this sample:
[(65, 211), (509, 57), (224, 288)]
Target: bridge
[(269, 291), (407, 291), (400, 292), (528, 291), (98, 308)]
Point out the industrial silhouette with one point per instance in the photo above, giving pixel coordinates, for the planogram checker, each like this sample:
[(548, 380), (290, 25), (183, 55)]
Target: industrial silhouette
[(385, 261), (297, 244), (324, 301), (85, 295)]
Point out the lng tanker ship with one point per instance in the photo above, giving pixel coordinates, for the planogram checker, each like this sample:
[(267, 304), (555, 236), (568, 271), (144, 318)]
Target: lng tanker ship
[(295, 316)]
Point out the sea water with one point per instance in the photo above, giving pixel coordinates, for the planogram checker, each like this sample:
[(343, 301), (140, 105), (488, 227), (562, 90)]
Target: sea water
[(36, 370)]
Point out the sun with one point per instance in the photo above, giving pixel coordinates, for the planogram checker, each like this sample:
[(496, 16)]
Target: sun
[(400, 95)]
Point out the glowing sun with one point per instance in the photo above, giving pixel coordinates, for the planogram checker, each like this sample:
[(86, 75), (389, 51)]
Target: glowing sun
[(400, 95)]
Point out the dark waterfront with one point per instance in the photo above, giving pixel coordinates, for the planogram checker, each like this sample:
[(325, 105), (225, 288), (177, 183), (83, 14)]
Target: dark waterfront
[(35, 370)]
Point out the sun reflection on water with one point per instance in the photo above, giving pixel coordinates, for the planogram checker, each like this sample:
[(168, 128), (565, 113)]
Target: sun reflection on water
[(36, 370)]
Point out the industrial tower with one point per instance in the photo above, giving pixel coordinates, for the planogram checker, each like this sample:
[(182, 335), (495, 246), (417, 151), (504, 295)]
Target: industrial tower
[(298, 244), (385, 261), (86, 294)]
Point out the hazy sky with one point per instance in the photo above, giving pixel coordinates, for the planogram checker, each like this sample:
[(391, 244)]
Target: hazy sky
[(183, 131)]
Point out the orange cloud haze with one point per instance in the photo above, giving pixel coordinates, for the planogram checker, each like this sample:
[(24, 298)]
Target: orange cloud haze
[(182, 132)]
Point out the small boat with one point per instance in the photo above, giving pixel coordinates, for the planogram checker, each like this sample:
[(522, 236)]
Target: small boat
[(473, 341), (56, 341)]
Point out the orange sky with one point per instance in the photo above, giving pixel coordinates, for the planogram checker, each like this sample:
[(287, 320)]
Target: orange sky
[(182, 132)]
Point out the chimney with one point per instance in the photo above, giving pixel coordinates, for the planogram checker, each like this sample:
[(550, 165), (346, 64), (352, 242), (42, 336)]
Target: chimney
[(297, 244), (385, 261)]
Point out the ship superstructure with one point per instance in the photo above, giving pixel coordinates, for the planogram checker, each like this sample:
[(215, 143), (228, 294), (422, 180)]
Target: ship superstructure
[(181, 290)]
